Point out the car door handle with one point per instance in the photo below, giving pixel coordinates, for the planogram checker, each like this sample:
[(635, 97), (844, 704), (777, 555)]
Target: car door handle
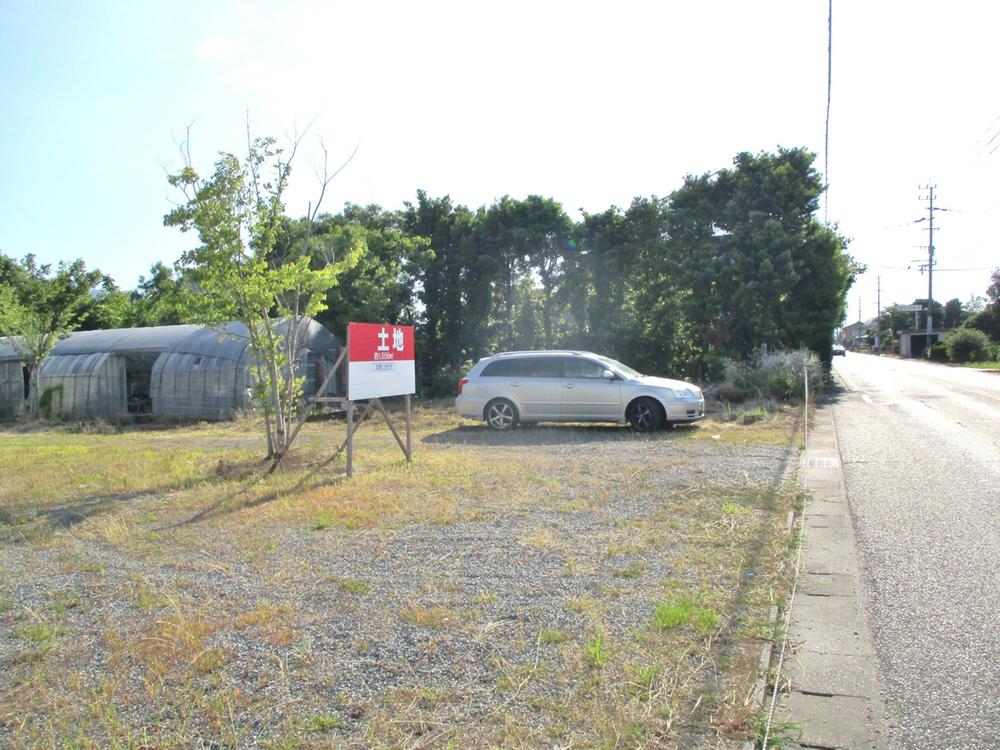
[(567, 385), (514, 385)]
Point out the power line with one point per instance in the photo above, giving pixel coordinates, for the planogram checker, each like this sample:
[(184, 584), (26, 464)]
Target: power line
[(980, 268), (987, 131)]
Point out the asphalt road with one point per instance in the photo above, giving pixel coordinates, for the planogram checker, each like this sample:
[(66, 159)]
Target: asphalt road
[(920, 446)]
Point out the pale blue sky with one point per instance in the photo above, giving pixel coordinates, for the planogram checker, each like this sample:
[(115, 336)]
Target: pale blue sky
[(589, 103)]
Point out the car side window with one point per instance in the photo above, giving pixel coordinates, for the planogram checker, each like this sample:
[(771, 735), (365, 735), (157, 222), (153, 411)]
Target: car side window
[(584, 368), (544, 367), (499, 369), (518, 368)]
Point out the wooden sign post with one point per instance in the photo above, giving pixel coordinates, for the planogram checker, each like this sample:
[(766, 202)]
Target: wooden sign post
[(380, 362)]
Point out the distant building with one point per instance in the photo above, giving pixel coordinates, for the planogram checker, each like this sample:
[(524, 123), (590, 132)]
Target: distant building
[(855, 336), (185, 371), (913, 343)]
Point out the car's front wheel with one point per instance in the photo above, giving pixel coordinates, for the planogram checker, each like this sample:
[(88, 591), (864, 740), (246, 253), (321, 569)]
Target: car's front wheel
[(644, 415), (501, 414)]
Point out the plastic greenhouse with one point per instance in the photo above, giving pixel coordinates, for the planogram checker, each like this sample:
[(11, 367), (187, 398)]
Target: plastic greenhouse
[(168, 372), (13, 382)]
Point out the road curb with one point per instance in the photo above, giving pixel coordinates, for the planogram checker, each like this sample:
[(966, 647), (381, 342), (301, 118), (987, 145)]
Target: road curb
[(831, 695)]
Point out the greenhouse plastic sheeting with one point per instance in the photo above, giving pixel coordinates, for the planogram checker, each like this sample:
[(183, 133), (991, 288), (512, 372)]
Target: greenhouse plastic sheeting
[(84, 385), (184, 371), (12, 403)]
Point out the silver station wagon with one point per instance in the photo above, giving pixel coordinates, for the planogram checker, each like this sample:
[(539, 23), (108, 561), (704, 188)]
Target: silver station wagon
[(570, 386)]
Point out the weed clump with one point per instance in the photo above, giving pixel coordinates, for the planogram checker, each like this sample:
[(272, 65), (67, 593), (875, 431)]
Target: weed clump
[(684, 612)]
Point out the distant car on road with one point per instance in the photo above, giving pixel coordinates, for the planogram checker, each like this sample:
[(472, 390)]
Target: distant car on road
[(839, 351), (572, 386)]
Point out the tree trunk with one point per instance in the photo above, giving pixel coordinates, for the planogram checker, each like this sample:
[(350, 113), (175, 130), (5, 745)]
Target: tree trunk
[(34, 397)]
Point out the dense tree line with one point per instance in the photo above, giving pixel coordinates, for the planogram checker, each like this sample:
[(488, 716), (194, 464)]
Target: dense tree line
[(730, 261)]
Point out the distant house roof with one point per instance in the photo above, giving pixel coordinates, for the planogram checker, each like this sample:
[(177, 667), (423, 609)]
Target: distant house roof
[(858, 327)]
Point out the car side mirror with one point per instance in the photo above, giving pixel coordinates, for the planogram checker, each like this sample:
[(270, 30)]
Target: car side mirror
[(608, 375)]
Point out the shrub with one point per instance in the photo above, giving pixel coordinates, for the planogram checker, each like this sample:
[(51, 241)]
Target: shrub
[(51, 400), (967, 345), (776, 376), (936, 352)]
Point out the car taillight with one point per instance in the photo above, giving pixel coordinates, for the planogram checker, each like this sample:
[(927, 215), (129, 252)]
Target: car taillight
[(461, 385)]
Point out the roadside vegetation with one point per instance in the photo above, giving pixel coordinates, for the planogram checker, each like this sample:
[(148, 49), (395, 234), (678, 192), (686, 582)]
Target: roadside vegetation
[(973, 328), (558, 585), (733, 260)]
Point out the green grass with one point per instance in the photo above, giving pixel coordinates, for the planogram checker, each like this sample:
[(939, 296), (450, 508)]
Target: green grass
[(596, 651), (550, 636), (40, 635), (321, 723), (354, 586), (684, 612)]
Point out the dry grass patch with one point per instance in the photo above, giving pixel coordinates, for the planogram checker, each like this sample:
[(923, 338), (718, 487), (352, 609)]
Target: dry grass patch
[(555, 586)]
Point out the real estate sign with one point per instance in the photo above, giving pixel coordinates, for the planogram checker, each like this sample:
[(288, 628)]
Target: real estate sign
[(380, 360)]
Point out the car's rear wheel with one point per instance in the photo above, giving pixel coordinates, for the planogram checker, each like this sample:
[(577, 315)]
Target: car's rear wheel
[(501, 414), (644, 415)]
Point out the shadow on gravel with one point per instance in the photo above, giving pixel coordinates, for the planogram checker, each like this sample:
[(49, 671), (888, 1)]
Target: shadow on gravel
[(232, 502), (61, 518), (68, 516), (552, 435), (64, 517)]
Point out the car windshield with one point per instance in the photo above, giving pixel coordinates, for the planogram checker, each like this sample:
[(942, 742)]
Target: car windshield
[(623, 369)]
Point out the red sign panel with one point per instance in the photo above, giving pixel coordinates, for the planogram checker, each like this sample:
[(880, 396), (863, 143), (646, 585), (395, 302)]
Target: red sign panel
[(380, 360), (379, 342)]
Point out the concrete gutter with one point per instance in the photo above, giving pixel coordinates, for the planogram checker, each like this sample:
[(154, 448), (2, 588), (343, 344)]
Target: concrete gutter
[(831, 697)]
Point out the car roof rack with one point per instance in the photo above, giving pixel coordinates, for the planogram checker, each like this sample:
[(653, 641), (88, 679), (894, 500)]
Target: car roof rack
[(542, 352)]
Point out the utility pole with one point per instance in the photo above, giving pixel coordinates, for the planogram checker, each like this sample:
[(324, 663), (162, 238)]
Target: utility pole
[(878, 316), (930, 261)]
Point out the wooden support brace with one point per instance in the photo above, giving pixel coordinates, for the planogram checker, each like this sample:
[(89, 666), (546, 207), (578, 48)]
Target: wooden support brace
[(399, 441), (310, 405)]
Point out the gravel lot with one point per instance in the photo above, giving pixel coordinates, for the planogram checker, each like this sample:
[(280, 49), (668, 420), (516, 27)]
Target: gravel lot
[(522, 617)]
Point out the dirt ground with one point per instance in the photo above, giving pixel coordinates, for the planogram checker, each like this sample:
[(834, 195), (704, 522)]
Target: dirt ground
[(557, 586)]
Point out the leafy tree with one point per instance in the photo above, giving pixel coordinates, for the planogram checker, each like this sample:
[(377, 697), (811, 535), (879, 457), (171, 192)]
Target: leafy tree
[(892, 321), (545, 230), (653, 333), (937, 310), (753, 265), (381, 287), (954, 314), (163, 298), (451, 290), (600, 265), (515, 239), (993, 291), (39, 305), (107, 307), (988, 319), (237, 213)]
